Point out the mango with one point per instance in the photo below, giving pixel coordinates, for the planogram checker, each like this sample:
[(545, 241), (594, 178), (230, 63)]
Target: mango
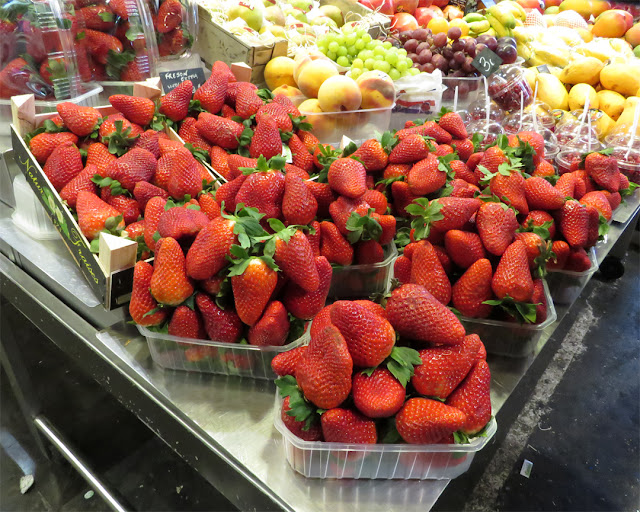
[(626, 118), (578, 97), (585, 7), (582, 70), (611, 24), (632, 35), (552, 92), (621, 77), (611, 102)]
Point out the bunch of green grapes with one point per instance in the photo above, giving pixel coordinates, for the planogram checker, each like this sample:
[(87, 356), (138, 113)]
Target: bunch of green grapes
[(356, 48)]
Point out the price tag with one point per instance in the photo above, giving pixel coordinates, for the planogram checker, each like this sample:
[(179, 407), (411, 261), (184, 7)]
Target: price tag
[(543, 69), (487, 62), (171, 79)]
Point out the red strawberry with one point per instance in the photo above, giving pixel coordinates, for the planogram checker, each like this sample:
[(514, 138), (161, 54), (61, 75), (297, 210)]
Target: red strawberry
[(377, 200), (187, 323), (541, 195), (218, 130), (219, 162), (443, 368), (285, 362), (234, 89), (594, 226), (307, 138), (372, 155), (141, 300), (461, 171), (463, 247), (134, 166), (402, 269), (226, 194), (211, 94), (624, 182), (603, 170), (510, 189), (252, 289), (599, 201), (236, 162), (497, 225), (492, 158), (543, 169), (80, 120), (379, 395), (221, 324), (566, 184), (314, 238), (209, 206), (370, 338), (426, 177), (347, 426), (93, 213), (135, 230), (432, 129), (43, 144), (324, 196), (301, 156), (424, 421), (418, 315), (294, 170), (189, 133), (512, 276), (342, 208), (472, 289), (473, 161), (126, 205), (453, 123), (82, 181), (296, 260), (574, 223), (144, 191), (175, 104), (534, 245), (473, 399), (427, 271), (412, 148), (135, 109), (152, 212), (347, 177), (538, 218), (248, 103), (396, 170), (306, 305), (321, 320), (286, 102), (456, 212), (150, 140), (369, 252), (182, 224), (324, 370), (540, 300), (402, 197), (443, 149), (64, 164), (272, 329), (614, 199), (578, 260), (464, 148), (535, 140), (170, 284), (264, 191), (101, 45), (313, 433), (208, 253), (110, 129), (169, 16), (283, 122), (185, 177), (266, 139), (561, 250), (334, 246), (96, 17), (299, 206)]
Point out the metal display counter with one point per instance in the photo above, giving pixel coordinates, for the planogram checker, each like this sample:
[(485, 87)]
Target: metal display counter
[(221, 426)]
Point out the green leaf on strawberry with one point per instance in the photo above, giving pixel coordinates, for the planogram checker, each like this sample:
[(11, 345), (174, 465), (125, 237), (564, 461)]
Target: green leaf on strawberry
[(425, 212), (401, 363), (388, 432), (299, 407), (363, 227), (524, 312)]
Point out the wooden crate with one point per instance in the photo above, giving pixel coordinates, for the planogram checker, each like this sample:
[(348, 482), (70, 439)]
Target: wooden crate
[(217, 43), (353, 6)]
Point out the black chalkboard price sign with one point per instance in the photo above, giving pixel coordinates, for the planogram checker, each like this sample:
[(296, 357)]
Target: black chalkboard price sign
[(171, 79), (487, 62)]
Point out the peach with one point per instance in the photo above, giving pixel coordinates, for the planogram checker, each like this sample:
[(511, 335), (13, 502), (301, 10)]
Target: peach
[(279, 71), (323, 124), (293, 93), (611, 24), (339, 94), (633, 35), (377, 89), (313, 76), (302, 58)]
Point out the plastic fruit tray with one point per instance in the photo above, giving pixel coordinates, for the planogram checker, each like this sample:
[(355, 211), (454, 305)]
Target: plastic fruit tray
[(29, 214), (317, 459), (363, 280), (218, 357), (511, 339), (566, 285)]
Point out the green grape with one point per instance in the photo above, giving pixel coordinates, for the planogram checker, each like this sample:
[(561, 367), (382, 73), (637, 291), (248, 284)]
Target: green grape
[(366, 37), (343, 61), (404, 73), (356, 72), (360, 33), (402, 52), (371, 45), (379, 50), (409, 62), (352, 50), (333, 46), (342, 51), (357, 63), (366, 54), (377, 65), (360, 44), (329, 38), (340, 39), (394, 74), (414, 71), (323, 49), (347, 30), (402, 65), (351, 39), (391, 58), (387, 45), (332, 55), (378, 57), (385, 66), (369, 63)]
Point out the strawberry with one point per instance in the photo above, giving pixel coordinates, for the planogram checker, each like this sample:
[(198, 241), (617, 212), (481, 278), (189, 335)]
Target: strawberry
[(283, 122), (543, 169), (144, 191), (455, 212), (377, 200), (574, 223), (538, 218), (294, 170), (427, 271), (472, 289), (464, 148), (370, 338), (402, 269), (226, 194), (412, 148), (323, 194), (101, 45), (603, 170), (313, 433), (473, 399), (221, 324), (314, 238), (347, 426), (497, 225), (342, 208), (185, 177), (379, 395), (512, 276), (324, 370), (426, 177), (418, 315), (126, 205), (583, 184), (219, 162), (96, 17), (373, 307), (566, 184), (368, 252), (492, 158), (463, 247), (173, 43), (43, 144), (578, 260), (372, 155), (321, 320), (64, 164), (219, 131), (134, 166), (169, 16), (535, 140), (252, 283), (347, 177), (208, 253), (264, 191), (295, 258), (93, 214), (535, 246), (209, 206), (248, 103), (509, 186), (599, 201), (285, 362), (80, 120), (541, 195), (189, 133), (396, 170), (594, 226), (443, 368), (402, 197), (175, 104), (182, 224), (211, 94), (443, 149), (135, 229), (425, 421), (233, 90), (453, 123), (614, 199), (266, 139), (135, 109), (624, 182), (306, 305), (562, 251), (150, 140), (110, 129), (82, 181), (461, 171), (272, 329), (307, 138), (289, 106), (152, 212), (432, 129), (334, 246), (300, 154), (142, 302), (299, 206), (187, 323), (170, 284), (474, 161), (540, 300), (235, 162)]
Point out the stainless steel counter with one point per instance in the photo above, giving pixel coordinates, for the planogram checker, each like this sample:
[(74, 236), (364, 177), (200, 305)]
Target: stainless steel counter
[(222, 426)]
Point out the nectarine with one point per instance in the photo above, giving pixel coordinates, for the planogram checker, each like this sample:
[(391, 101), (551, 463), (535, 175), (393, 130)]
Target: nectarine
[(377, 89), (339, 94), (313, 75)]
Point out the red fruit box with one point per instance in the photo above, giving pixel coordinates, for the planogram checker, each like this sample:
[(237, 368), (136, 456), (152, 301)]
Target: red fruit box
[(511, 339), (355, 281), (566, 285), (317, 459), (218, 357)]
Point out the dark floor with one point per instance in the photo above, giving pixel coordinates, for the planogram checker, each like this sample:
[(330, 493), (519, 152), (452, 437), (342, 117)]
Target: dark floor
[(576, 420)]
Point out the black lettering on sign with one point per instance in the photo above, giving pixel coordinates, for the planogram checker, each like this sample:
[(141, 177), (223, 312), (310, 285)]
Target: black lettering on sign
[(171, 79)]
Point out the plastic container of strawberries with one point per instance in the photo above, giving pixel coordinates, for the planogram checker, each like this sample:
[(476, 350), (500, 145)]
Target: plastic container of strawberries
[(355, 281), (318, 459), (566, 285), (175, 29), (206, 356), (511, 339), (29, 215)]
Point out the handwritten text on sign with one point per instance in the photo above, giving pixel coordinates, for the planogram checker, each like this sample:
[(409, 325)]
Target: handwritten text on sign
[(487, 62), (171, 79)]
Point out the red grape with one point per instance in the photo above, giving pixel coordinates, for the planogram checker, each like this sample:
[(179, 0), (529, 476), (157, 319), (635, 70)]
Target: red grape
[(429, 68), (459, 57), (440, 39), (480, 47), (454, 33), (420, 34), (423, 46), (447, 53), (458, 45), (413, 56), (411, 45)]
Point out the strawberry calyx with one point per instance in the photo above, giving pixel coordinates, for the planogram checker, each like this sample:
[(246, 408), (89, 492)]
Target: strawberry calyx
[(401, 363), (363, 227), (115, 186), (300, 123), (541, 230), (540, 261), (424, 212), (389, 181), (246, 225), (524, 312), (47, 127), (443, 111), (629, 190), (603, 227), (444, 164), (110, 227), (327, 156), (402, 238), (477, 139), (199, 154), (241, 259), (116, 62), (276, 163), (299, 407), (119, 140), (583, 157)]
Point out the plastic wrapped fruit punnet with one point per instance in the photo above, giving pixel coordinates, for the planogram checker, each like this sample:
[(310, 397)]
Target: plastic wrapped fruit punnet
[(176, 25)]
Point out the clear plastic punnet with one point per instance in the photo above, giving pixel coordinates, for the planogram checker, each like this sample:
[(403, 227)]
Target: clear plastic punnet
[(565, 285), (175, 24)]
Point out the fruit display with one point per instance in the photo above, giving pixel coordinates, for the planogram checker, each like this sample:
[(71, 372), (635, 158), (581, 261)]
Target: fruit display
[(175, 23)]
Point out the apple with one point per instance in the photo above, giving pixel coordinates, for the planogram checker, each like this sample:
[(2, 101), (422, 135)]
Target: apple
[(440, 3), (339, 93), (275, 15), (333, 12), (425, 3), (323, 124), (403, 21), (383, 6), (409, 6), (377, 89), (424, 15), (313, 75), (293, 93), (251, 13)]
